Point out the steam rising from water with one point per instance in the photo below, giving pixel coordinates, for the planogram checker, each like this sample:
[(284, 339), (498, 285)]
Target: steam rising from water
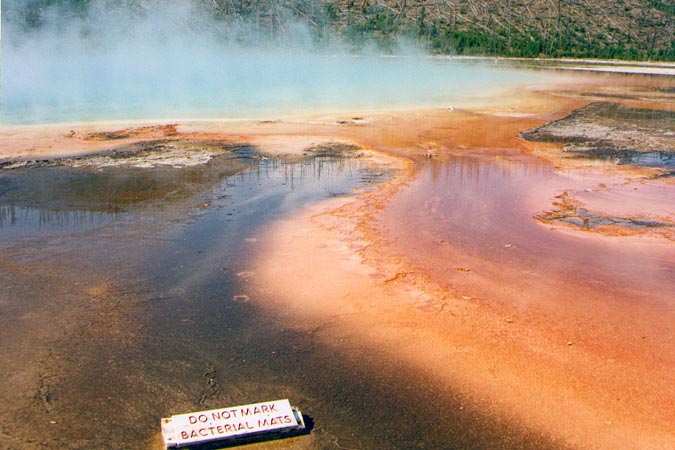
[(178, 62)]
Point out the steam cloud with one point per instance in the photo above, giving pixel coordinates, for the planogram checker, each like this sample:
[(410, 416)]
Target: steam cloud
[(173, 60)]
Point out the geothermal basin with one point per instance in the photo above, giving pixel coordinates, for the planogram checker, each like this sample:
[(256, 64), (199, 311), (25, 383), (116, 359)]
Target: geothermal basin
[(451, 275)]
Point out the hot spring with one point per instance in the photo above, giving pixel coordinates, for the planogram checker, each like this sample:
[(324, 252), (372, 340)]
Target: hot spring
[(235, 84), (369, 236)]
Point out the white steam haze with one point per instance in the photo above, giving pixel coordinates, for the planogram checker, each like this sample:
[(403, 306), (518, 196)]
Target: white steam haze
[(175, 61)]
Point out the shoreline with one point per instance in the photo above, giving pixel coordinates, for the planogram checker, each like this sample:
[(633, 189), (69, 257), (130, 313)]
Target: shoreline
[(610, 67)]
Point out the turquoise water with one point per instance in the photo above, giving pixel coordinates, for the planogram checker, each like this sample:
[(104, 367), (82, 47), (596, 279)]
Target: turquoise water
[(42, 86), (178, 62)]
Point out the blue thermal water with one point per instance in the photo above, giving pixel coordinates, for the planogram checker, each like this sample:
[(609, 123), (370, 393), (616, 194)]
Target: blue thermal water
[(42, 85)]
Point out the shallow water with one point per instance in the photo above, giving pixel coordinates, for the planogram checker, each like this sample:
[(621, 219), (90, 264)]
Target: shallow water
[(473, 222), (653, 159), (80, 194), (238, 84), (150, 312), (127, 290), (17, 222), (468, 224)]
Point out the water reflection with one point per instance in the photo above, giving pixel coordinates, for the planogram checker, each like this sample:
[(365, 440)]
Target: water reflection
[(209, 319), (476, 215), (158, 326), (69, 196), (17, 220), (477, 196), (169, 285), (477, 169), (653, 159)]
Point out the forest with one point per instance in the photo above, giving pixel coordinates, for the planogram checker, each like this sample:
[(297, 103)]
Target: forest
[(605, 29)]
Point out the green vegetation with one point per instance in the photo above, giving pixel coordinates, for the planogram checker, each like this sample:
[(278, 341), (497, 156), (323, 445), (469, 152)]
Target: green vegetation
[(667, 6)]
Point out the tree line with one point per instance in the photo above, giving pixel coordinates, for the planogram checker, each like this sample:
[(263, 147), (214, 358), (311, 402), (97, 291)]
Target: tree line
[(441, 27)]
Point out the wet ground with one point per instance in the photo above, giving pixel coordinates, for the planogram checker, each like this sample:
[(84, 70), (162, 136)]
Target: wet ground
[(140, 283), (122, 285), (614, 134), (560, 333), (127, 298), (613, 131), (564, 327)]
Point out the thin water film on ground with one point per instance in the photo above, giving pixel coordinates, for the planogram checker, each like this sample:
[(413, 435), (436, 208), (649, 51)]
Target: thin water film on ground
[(127, 298), (481, 276), (122, 282)]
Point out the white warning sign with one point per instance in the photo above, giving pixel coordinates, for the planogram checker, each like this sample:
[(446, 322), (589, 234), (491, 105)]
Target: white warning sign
[(230, 423)]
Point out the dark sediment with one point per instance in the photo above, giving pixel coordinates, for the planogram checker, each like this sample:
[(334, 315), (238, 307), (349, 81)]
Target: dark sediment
[(152, 153), (616, 134), (159, 130), (611, 130), (568, 211)]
